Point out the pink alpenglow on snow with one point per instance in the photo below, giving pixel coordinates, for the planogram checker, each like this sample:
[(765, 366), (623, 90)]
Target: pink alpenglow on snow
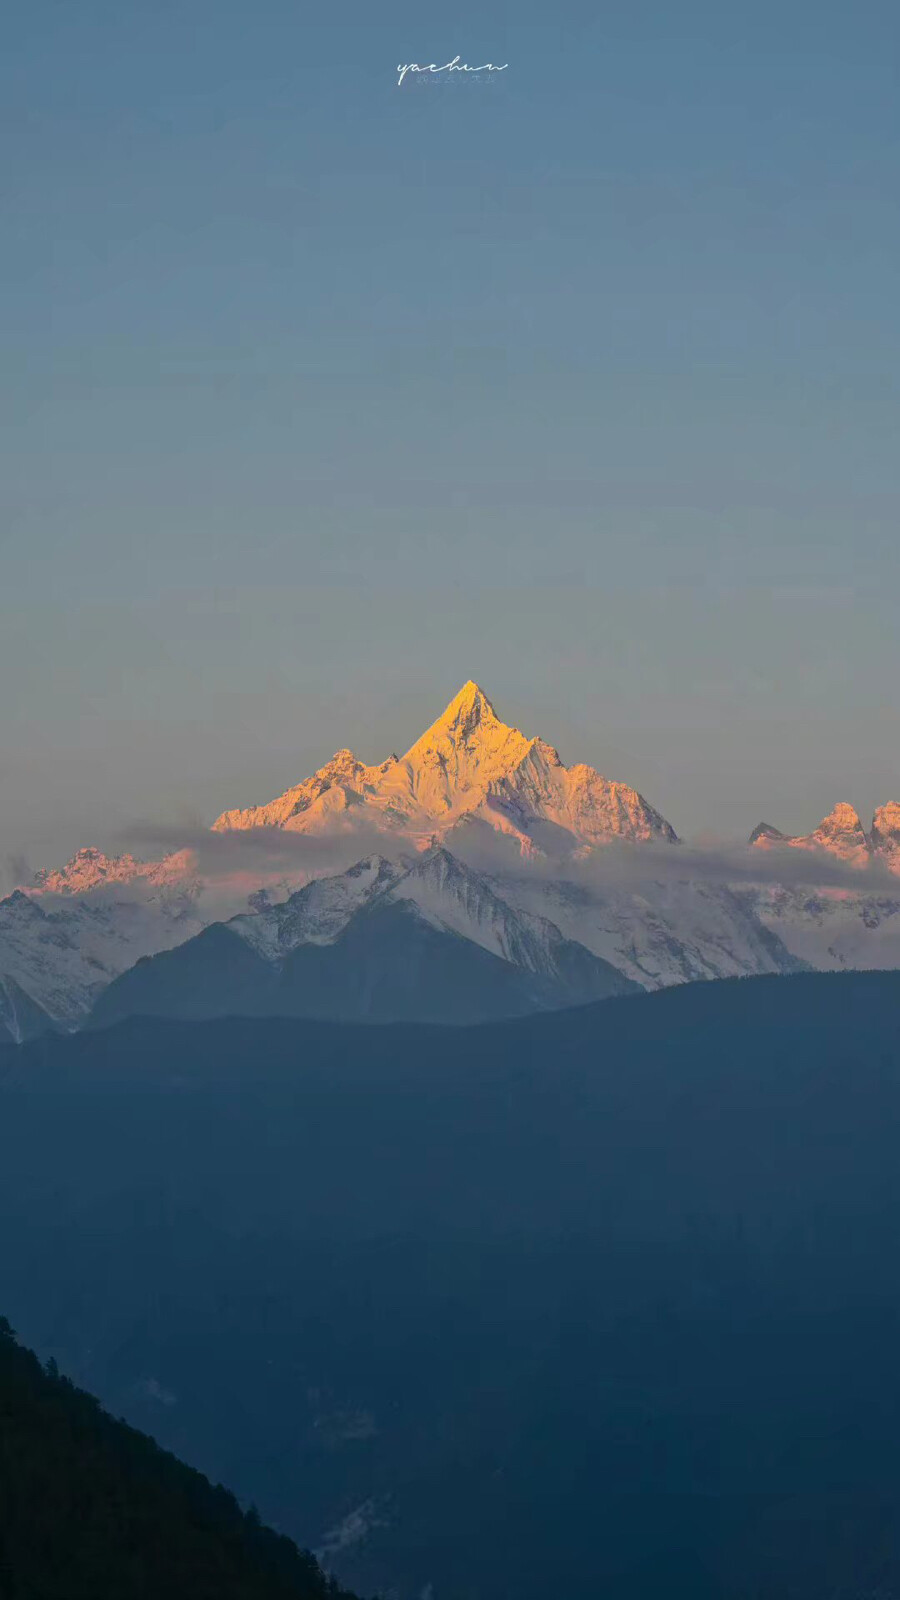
[(842, 835), (91, 869)]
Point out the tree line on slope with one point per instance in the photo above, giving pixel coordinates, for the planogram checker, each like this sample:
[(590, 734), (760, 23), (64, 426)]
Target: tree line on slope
[(91, 1509)]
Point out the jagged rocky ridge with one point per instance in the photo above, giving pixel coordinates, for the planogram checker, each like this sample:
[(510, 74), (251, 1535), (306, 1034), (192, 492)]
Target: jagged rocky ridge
[(471, 789)]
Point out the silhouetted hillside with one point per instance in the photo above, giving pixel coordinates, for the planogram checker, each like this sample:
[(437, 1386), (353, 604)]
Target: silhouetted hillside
[(92, 1510)]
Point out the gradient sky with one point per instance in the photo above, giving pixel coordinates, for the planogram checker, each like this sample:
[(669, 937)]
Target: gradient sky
[(321, 396)]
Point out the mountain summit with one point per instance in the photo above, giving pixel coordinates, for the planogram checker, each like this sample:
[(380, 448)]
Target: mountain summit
[(842, 834), (468, 710), (468, 768)]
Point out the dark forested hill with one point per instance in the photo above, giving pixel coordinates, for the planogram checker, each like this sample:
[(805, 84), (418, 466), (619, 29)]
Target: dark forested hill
[(92, 1510), (595, 1303)]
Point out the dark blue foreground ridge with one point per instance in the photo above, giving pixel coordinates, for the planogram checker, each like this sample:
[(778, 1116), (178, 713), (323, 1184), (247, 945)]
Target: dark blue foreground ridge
[(599, 1301)]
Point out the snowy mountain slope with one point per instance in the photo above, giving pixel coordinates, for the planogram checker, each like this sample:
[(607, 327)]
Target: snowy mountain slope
[(318, 912), (387, 957), (454, 897), (589, 945), (663, 933), (830, 928), (444, 893), (62, 952), (467, 764)]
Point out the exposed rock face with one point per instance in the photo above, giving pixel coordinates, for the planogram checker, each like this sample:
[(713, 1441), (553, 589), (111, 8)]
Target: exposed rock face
[(764, 834), (885, 834)]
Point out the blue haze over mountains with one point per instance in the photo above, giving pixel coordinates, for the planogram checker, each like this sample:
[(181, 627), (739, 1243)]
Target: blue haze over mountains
[(598, 1301)]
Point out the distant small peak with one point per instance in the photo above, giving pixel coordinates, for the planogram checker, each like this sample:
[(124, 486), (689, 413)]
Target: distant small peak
[(342, 765), (764, 830), (437, 852), (18, 898)]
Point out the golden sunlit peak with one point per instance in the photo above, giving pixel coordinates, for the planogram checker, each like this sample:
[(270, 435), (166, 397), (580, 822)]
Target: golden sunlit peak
[(471, 697)]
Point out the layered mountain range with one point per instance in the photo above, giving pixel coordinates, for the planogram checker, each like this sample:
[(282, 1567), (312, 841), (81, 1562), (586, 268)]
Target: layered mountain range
[(501, 881)]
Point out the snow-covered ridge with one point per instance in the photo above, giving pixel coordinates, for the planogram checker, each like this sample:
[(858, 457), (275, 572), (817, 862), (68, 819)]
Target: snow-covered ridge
[(445, 892), (668, 933), (318, 912), (340, 776), (90, 869)]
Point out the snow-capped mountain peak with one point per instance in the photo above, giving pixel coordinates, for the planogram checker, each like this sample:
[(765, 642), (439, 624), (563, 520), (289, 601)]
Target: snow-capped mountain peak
[(328, 790), (468, 766), (449, 771), (842, 833), (764, 835), (468, 710)]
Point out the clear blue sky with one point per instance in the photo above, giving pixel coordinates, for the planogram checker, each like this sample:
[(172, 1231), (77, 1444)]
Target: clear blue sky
[(320, 397)]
